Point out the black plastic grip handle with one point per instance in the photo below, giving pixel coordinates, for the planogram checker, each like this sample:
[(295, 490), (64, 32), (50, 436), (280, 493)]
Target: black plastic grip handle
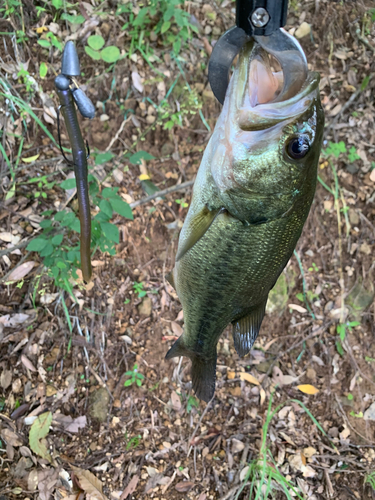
[(255, 21)]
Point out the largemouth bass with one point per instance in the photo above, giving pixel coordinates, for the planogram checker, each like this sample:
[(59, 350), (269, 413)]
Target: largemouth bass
[(251, 198)]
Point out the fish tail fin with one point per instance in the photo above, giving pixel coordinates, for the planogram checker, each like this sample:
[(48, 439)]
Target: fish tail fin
[(203, 374), (203, 371), (246, 329)]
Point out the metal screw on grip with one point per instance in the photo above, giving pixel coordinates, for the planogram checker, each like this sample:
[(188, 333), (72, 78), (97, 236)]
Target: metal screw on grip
[(260, 17)]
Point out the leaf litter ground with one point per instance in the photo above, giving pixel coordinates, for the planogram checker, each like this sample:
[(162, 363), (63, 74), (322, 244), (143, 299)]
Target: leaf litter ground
[(315, 354)]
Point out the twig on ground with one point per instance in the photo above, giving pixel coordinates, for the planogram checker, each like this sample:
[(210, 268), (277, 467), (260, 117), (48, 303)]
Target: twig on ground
[(347, 105), (362, 39), (198, 425), (158, 194), (118, 133), (232, 492)]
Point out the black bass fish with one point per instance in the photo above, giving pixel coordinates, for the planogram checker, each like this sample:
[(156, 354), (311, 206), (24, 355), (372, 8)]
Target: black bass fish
[(251, 198)]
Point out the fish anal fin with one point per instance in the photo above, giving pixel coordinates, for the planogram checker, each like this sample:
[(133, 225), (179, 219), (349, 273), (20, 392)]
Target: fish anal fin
[(246, 329), (197, 226), (178, 349), (203, 371)]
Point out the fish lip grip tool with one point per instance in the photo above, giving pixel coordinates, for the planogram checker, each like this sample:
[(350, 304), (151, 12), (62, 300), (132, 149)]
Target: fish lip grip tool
[(72, 96), (263, 21)]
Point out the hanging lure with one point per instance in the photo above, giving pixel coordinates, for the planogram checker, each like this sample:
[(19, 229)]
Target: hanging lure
[(253, 190), (70, 96)]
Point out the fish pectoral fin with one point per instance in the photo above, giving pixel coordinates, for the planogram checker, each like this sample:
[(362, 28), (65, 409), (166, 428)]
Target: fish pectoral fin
[(246, 329), (203, 371), (197, 226)]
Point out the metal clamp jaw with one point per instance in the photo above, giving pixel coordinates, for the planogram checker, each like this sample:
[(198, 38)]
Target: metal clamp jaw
[(70, 68), (261, 20)]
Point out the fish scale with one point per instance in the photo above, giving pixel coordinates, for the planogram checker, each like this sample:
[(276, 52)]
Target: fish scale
[(249, 205)]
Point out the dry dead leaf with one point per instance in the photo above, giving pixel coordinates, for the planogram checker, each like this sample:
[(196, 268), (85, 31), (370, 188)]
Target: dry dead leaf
[(176, 401), (176, 329), (309, 452), (184, 486), (21, 271), (89, 483), (249, 378), (137, 81), (5, 379), (28, 363), (262, 396), (308, 389), (298, 308), (13, 320), (11, 437), (131, 487)]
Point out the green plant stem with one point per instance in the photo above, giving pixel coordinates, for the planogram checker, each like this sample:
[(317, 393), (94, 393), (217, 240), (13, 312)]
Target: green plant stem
[(304, 284)]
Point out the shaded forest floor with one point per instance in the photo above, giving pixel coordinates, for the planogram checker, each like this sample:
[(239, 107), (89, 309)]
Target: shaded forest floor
[(69, 359)]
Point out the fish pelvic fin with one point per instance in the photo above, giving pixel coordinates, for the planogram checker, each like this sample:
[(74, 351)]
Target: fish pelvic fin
[(170, 278), (246, 329), (197, 227), (203, 371)]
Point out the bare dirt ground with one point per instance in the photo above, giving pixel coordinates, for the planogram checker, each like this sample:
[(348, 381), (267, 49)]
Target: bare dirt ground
[(156, 440)]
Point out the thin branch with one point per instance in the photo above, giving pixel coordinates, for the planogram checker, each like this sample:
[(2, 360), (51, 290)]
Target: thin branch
[(158, 194), (348, 103)]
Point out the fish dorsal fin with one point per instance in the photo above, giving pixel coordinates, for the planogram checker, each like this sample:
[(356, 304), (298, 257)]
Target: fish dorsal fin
[(246, 329), (196, 228)]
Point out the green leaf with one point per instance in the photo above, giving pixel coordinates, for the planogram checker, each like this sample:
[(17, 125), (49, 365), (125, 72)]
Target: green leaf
[(122, 208), (43, 70), (111, 232), (61, 264), (138, 382), (58, 4), (59, 216), (110, 192), (105, 206), (128, 382), (365, 82), (96, 42), (110, 54), (177, 46), (44, 43), (92, 53), (56, 240), (339, 348), (165, 26), (68, 219), (149, 187), (341, 329), (300, 297), (68, 184), (103, 157), (76, 226), (73, 19), (140, 155), (38, 431), (45, 223), (47, 250), (36, 245)]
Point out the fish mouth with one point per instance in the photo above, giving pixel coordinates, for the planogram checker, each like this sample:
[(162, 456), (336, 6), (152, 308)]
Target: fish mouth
[(271, 84)]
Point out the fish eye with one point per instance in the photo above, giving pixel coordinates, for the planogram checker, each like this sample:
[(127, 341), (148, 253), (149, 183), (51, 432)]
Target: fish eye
[(298, 147)]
